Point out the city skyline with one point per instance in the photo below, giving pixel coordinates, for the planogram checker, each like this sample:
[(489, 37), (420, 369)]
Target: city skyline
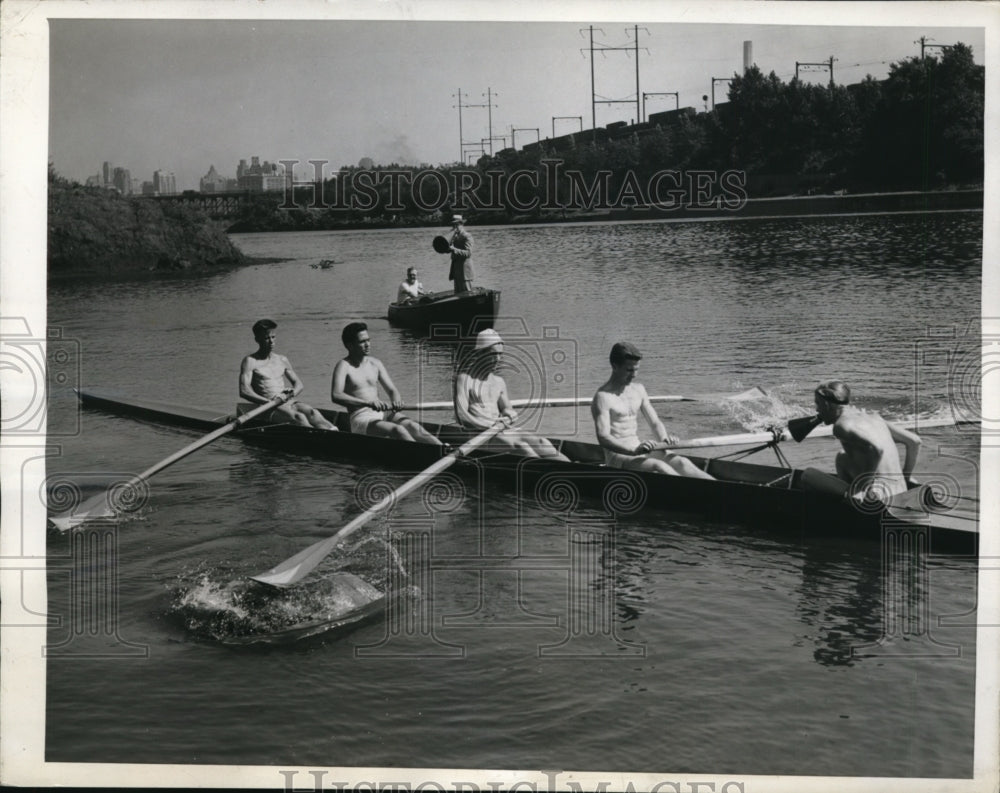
[(316, 90)]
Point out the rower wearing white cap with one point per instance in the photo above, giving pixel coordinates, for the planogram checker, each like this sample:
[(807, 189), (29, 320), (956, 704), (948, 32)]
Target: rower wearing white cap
[(461, 255), (481, 398)]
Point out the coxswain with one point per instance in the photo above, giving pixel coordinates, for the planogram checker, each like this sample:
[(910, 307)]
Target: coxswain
[(868, 467)]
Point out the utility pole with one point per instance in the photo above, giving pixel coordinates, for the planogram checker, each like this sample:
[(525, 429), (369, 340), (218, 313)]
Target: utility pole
[(461, 138), (824, 65), (514, 131), (718, 80), (594, 101), (925, 45), (489, 105), (660, 93), (565, 118)]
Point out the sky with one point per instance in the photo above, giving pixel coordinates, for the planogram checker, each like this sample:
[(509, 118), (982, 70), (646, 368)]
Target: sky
[(183, 95)]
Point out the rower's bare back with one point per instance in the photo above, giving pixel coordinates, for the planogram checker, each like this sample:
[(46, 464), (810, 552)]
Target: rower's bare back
[(868, 444)]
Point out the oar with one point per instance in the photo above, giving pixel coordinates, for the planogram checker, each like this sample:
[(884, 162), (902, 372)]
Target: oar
[(100, 506), (752, 393), (797, 430), (297, 567)]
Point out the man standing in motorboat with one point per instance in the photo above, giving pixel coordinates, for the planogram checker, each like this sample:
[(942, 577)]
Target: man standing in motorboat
[(460, 247), (355, 383), (265, 374)]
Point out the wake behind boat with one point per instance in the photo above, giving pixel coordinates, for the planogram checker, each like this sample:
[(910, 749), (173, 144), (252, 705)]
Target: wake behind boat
[(758, 495)]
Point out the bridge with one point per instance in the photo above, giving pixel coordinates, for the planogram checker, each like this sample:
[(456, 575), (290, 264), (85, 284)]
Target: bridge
[(218, 206)]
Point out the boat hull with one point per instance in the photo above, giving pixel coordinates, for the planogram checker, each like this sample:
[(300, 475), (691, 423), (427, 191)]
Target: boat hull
[(471, 311), (767, 497)]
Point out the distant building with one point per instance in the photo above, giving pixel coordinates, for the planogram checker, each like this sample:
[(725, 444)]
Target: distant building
[(148, 189), (164, 183), (259, 178), (213, 182), (122, 181), (107, 174)]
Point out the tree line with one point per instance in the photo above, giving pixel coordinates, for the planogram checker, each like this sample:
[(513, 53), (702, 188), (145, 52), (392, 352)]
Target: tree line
[(921, 128)]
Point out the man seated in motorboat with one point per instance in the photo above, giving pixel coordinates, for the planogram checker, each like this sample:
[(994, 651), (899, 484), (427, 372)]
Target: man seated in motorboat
[(265, 374), (868, 467), (615, 409), (355, 385), (481, 398), (411, 289)]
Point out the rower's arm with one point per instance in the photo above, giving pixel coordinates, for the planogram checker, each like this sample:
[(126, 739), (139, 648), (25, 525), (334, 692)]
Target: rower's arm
[(389, 386), (293, 379), (912, 443), (649, 412), (503, 400)]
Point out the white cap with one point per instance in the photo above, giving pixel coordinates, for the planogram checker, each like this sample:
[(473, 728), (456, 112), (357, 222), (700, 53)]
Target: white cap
[(457, 219), (487, 338)]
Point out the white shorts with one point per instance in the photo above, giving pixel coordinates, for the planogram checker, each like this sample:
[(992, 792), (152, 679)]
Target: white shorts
[(362, 417), (618, 460)]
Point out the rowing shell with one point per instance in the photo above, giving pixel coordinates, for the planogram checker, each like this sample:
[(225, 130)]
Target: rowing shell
[(766, 496)]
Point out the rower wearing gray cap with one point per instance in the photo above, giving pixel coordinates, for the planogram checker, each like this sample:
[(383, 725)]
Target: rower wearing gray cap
[(481, 399), (461, 255)]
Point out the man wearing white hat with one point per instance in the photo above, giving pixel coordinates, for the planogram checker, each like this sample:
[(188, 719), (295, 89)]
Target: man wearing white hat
[(481, 398), (461, 255)]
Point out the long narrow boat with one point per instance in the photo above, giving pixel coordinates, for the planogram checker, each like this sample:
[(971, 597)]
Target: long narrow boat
[(772, 496), (472, 311)]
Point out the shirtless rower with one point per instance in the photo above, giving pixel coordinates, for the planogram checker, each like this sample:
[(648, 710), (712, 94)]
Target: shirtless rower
[(481, 398), (265, 374), (355, 383), (869, 464), (616, 407)]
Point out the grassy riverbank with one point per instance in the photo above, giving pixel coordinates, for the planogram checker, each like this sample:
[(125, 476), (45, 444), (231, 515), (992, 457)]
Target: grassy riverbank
[(96, 233)]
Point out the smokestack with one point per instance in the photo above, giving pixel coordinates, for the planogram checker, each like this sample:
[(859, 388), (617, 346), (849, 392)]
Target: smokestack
[(747, 56)]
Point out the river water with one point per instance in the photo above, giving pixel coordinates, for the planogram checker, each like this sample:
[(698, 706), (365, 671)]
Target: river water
[(705, 646)]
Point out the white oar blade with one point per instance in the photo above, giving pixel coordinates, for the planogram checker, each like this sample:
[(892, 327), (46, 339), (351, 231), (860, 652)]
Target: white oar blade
[(91, 509), (299, 566)]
